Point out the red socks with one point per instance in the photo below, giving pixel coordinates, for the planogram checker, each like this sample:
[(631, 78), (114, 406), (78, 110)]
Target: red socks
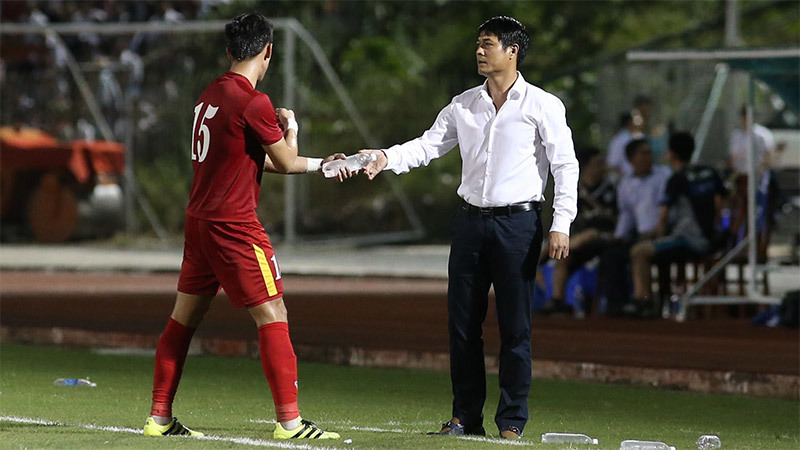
[(277, 359), (280, 367), (170, 356)]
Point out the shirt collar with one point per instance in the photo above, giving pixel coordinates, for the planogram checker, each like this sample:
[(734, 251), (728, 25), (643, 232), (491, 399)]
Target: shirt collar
[(515, 93)]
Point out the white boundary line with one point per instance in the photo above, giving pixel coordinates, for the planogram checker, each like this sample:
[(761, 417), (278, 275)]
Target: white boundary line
[(350, 427), (243, 441), (496, 441)]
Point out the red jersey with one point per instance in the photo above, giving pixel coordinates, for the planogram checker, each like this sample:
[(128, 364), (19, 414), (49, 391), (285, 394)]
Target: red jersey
[(232, 121)]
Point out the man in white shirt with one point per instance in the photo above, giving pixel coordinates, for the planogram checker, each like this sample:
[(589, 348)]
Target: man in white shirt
[(629, 129), (764, 145), (509, 133), (638, 202)]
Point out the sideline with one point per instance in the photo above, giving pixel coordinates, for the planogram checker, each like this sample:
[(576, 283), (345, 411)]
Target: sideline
[(243, 441), (494, 441)]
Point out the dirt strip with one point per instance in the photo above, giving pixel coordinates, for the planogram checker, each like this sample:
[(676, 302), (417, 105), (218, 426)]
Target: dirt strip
[(333, 319)]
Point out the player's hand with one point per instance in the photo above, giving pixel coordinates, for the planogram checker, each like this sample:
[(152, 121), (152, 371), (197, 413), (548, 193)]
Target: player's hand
[(344, 172), (284, 115), (558, 243), (375, 167)]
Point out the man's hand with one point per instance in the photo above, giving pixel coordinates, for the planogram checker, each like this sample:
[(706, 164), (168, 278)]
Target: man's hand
[(558, 245), (375, 167), (283, 116), (344, 173)]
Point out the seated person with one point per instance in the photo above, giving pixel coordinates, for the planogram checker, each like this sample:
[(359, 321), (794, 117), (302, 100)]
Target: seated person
[(687, 221), (591, 230), (638, 198)]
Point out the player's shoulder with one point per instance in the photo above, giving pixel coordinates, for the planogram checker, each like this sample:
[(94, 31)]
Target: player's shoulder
[(259, 97)]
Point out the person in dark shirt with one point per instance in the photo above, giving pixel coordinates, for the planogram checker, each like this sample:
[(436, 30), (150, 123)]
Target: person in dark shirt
[(593, 227), (688, 217)]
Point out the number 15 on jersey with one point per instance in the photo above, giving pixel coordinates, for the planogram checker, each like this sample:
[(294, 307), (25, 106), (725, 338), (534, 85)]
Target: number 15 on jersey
[(201, 138)]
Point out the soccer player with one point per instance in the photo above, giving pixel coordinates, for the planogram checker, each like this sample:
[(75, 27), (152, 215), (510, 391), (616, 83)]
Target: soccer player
[(510, 133), (236, 134)]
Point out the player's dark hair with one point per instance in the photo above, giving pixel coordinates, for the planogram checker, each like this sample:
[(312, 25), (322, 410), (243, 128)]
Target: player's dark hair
[(633, 147), (681, 144), (585, 156), (509, 31), (247, 35)]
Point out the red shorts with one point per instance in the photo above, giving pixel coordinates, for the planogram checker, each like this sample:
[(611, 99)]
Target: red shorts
[(236, 256)]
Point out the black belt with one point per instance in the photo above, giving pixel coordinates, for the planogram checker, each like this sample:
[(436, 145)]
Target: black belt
[(501, 210)]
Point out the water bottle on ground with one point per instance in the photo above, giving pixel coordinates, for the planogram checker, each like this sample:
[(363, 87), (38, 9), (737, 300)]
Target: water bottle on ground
[(353, 162), (708, 441), (567, 438), (633, 444), (74, 382)]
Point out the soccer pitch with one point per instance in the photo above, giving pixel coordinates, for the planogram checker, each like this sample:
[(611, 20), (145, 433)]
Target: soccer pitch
[(228, 398)]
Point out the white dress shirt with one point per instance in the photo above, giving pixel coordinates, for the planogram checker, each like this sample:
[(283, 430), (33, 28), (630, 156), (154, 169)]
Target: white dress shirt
[(504, 154), (616, 151), (639, 201)]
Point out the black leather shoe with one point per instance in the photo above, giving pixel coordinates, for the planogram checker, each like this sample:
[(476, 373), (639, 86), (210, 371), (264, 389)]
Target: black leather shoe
[(449, 429), (511, 433), (456, 429)]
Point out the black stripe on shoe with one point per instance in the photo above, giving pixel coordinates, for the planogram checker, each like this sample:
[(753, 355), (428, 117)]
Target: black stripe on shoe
[(173, 428), (176, 429), (299, 433)]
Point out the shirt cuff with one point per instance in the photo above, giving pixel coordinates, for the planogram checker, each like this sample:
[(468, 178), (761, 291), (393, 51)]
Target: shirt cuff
[(392, 158), (560, 224)]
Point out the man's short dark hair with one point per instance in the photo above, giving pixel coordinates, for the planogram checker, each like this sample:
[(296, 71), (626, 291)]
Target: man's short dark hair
[(247, 35), (585, 156), (633, 146), (681, 144), (509, 31)]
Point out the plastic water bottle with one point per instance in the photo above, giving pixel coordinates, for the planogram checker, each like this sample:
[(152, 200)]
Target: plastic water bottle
[(567, 438), (632, 444), (74, 382), (353, 162), (708, 441)]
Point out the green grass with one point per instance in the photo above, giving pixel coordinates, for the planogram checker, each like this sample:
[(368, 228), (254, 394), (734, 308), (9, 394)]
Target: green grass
[(224, 396)]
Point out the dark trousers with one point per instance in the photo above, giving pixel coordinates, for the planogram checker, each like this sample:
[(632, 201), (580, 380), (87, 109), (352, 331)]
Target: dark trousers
[(614, 277), (500, 251)]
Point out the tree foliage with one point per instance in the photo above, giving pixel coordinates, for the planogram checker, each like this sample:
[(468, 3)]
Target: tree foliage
[(403, 61)]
